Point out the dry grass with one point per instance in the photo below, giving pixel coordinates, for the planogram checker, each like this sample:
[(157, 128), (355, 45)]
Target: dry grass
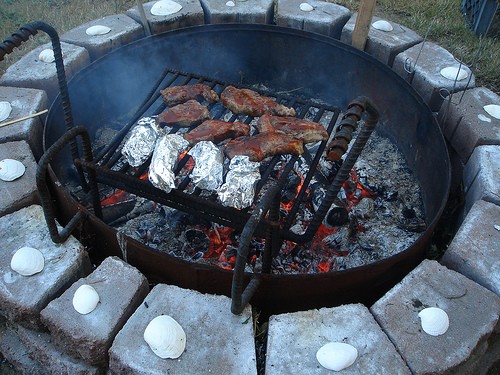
[(449, 28)]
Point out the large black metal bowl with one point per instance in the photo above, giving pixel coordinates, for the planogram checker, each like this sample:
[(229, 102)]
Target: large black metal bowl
[(307, 64)]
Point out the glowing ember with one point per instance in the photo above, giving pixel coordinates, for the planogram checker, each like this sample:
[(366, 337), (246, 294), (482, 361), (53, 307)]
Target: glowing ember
[(324, 266), (354, 190), (120, 196), (287, 206), (220, 238), (115, 198), (367, 221)]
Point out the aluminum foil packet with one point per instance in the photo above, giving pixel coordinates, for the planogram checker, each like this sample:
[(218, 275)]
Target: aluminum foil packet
[(165, 155), (141, 141), (239, 189), (208, 168)]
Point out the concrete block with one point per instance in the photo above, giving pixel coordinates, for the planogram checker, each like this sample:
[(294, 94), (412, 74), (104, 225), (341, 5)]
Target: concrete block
[(250, 11), (50, 358), (123, 31), (14, 351), (121, 289), (475, 249), (23, 297), (473, 314), (325, 18), (24, 102), (217, 341), (21, 192), (294, 338), (481, 176), (191, 14), (383, 45), (30, 72), (425, 61), (466, 124)]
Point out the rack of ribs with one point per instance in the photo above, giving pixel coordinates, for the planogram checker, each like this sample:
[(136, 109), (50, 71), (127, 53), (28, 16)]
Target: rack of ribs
[(180, 94), (216, 131), (307, 131), (249, 102), (263, 145), (184, 115)]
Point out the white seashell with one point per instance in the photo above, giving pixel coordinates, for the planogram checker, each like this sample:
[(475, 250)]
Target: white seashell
[(336, 356), (230, 4), (165, 8), (453, 73), (85, 299), (47, 55), (97, 30), (11, 169), (165, 337), (382, 25), (434, 321), (27, 261), (5, 110), (483, 118), (493, 110), (306, 7)]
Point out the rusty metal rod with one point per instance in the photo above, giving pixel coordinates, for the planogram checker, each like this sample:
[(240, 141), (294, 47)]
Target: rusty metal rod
[(365, 104), (43, 187)]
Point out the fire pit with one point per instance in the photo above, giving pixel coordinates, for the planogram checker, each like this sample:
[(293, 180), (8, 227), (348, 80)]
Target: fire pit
[(294, 66)]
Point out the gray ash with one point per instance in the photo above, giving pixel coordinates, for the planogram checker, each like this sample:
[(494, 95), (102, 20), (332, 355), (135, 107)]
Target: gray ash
[(378, 213)]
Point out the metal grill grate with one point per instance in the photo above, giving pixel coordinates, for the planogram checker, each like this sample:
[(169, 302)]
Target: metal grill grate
[(126, 178)]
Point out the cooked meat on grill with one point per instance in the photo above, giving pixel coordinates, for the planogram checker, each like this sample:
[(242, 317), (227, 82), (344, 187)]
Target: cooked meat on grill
[(262, 145), (184, 115), (307, 131), (181, 94), (216, 131), (248, 102)]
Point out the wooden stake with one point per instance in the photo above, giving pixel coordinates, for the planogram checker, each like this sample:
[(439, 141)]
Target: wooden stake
[(363, 21), (144, 19)]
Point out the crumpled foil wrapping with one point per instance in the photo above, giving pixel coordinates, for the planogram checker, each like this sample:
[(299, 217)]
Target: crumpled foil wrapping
[(208, 169), (167, 151), (141, 141), (239, 189)]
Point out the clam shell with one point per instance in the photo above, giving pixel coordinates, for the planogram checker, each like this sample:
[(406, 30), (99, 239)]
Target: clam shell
[(434, 321), (483, 118), (336, 356), (27, 261), (382, 25), (11, 169), (493, 110), (165, 337), (230, 4), (454, 73), (47, 56), (85, 299), (305, 7), (97, 30), (5, 110), (165, 8)]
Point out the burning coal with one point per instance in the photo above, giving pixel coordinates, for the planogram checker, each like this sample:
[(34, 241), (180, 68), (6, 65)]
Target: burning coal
[(377, 213)]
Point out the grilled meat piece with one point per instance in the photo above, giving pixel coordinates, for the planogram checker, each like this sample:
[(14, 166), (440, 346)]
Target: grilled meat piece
[(248, 102), (184, 115), (262, 145), (307, 131), (216, 131), (181, 94)]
